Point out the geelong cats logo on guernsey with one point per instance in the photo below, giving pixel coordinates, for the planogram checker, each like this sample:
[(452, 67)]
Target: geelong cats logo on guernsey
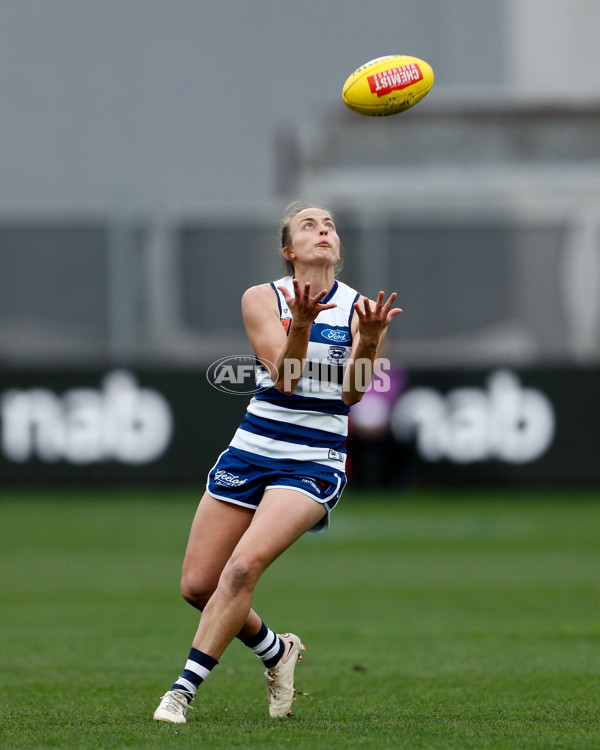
[(332, 334), (337, 354)]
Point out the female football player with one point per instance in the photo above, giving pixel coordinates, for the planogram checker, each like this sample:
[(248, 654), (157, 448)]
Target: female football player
[(283, 473)]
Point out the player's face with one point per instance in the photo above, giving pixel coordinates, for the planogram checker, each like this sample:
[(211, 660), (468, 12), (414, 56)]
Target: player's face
[(313, 238)]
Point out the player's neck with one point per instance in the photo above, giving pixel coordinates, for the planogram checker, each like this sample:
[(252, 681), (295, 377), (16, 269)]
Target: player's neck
[(319, 278)]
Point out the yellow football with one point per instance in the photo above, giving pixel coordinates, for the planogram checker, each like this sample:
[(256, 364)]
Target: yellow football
[(387, 85)]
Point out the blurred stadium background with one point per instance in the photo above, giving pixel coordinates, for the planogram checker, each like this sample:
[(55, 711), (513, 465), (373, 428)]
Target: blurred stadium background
[(148, 150)]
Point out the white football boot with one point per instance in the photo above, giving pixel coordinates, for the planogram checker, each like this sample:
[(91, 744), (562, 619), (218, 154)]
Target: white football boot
[(280, 678), (173, 707)]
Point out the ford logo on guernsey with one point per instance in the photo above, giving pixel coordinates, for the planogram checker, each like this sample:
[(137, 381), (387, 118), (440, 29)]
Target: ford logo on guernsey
[(238, 374), (331, 334)]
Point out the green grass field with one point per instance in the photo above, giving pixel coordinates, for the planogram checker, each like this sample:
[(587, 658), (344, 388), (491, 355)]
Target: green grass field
[(431, 621)]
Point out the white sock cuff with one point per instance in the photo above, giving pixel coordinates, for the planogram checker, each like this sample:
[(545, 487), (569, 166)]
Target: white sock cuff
[(268, 647), (187, 685), (196, 668)]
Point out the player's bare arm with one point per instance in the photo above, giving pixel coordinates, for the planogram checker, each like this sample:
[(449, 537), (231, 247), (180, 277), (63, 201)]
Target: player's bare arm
[(369, 328), (283, 355)]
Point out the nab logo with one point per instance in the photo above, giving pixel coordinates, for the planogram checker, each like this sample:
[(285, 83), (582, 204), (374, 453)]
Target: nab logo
[(338, 336), (503, 422), (117, 421)]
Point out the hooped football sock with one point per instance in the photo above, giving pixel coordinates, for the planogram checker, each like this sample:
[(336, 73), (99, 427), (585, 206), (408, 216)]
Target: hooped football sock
[(197, 668), (266, 645)]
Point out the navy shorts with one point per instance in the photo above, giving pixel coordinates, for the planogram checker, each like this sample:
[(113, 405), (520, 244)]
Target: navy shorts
[(238, 481)]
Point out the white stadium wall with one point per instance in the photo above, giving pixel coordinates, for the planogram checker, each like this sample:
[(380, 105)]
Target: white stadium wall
[(553, 48)]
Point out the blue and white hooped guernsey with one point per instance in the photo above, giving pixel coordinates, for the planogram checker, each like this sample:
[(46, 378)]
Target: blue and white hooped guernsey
[(311, 424)]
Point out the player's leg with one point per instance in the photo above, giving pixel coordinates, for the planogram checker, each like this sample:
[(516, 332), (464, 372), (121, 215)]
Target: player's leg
[(282, 517), (215, 533), (216, 529)]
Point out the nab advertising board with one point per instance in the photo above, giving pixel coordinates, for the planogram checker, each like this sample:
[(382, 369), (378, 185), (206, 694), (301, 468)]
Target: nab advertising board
[(499, 426), (113, 425), (456, 427)]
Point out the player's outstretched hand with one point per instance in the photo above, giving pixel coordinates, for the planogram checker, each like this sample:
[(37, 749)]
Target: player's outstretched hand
[(372, 321), (303, 307)]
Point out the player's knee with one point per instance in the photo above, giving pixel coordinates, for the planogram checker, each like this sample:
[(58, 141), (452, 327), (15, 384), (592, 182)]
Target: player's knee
[(196, 592), (241, 574)]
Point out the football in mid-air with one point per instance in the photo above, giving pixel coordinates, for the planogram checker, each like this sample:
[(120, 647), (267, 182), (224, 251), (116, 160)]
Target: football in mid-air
[(387, 85)]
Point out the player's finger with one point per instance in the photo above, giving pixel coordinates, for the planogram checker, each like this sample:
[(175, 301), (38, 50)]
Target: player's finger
[(297, 289), (320, 295), (390, 301), (286, 295)]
